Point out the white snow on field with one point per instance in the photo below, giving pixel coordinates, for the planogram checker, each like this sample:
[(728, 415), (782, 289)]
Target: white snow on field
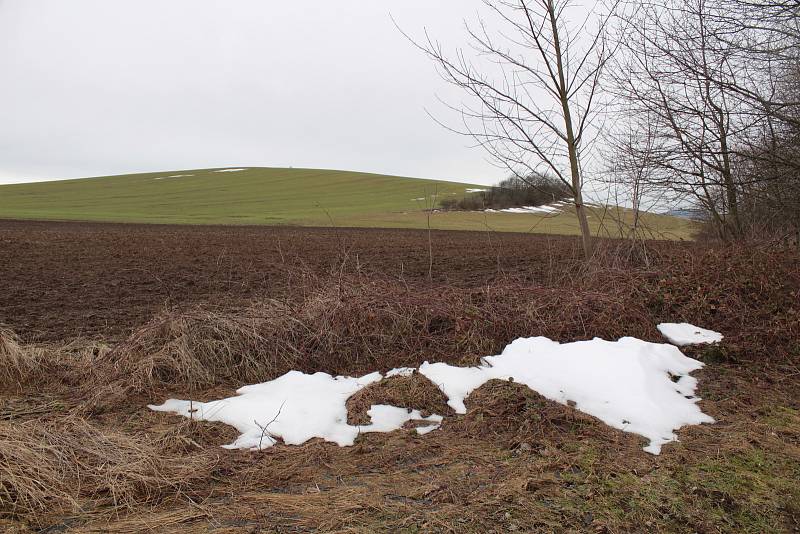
[(475, 190), (534, 209), (632, 385), (627, 384), (686, 334), (174, 176), (418, 199), (231, 170), (295, 407)]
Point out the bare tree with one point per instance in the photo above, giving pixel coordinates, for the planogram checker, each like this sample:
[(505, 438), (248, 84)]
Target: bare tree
[(629, 172), (715, 79), (675, 76), (765, 34), (534, 89)]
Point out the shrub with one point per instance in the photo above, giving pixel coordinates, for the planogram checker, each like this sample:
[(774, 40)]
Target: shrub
[(534, 190)]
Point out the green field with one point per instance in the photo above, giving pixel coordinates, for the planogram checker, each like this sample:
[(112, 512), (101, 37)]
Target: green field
[(305, 197)]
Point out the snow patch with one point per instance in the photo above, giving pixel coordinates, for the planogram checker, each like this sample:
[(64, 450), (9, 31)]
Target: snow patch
[(687, 334), (475, 190), (400, 371), (626, 384), (231, 170), (173, 176), (631, 385), (387, 418), (295, 408), (533, 209)]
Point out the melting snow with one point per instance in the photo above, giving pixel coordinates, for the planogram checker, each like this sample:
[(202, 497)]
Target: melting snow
[(533, 209), (475, 190), (389, 418), (626, 383), (296, 407), (231, 170), (400, 371), (630, 384), (686, 334)]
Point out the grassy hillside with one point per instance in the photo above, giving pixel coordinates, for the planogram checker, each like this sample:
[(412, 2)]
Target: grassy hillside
[(278, 196)]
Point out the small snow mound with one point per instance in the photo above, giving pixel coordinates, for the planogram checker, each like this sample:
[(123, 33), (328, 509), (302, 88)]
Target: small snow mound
[(472, 190), (681, 334), (387, 418), (230, 170)]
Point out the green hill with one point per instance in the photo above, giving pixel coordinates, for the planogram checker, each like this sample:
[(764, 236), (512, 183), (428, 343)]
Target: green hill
[(306, 197)]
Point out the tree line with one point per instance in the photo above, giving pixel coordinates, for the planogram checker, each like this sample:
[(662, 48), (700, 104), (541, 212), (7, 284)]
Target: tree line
[(534, 190)]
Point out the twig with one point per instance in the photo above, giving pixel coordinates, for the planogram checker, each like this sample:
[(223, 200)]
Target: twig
[(265, 427)]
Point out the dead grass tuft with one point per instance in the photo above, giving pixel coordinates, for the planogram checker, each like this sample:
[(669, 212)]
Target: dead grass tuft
[(201, 348), (55, 467), (18, 363)]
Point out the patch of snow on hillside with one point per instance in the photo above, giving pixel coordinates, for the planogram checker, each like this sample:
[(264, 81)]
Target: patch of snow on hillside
[(626, 384), (471, 190), (687, 334), (173, 176), (231, 170), (533, 209)]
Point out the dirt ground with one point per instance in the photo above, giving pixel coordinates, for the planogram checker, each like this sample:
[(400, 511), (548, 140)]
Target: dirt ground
[(65, 279), (98, 320)]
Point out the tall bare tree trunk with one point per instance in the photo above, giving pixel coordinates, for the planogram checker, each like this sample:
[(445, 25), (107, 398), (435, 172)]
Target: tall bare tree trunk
[(572, 149), (735, 224)]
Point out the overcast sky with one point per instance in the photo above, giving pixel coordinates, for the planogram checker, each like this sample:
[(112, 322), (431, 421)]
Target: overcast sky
[(96, 87)]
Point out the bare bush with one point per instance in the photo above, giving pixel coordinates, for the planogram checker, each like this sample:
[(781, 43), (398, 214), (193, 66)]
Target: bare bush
[(534, 190)]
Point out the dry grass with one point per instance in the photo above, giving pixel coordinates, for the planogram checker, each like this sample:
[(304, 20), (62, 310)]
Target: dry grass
[(69, 466), (17, 363), (355, 327), (201, 348)]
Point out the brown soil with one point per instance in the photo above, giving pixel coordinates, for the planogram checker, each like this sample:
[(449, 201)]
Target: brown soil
[(63, 280)]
